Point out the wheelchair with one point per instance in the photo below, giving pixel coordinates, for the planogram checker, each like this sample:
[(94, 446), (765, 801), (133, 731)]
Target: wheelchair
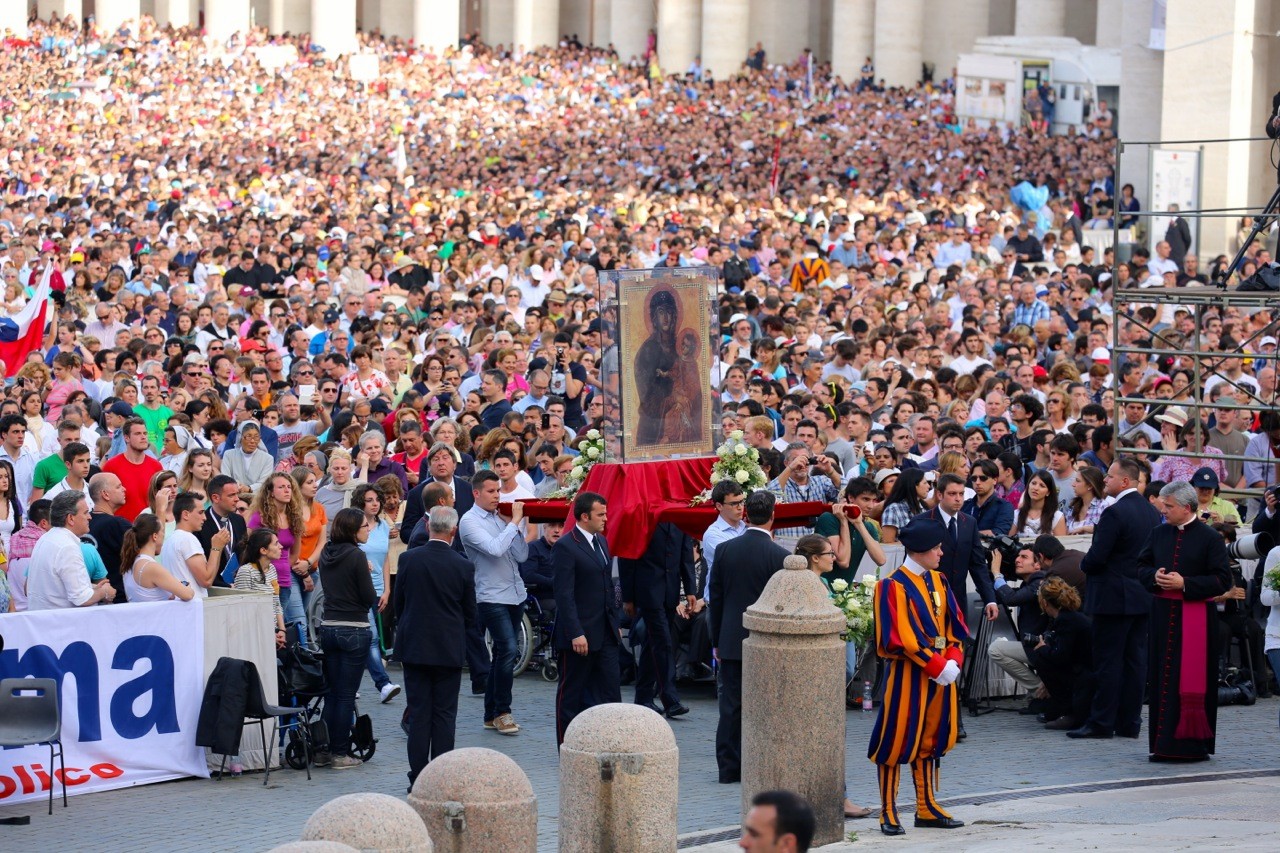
[(533, 641)]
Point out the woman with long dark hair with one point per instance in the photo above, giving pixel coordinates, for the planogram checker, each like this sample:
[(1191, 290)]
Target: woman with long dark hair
[(1038, 512), (278, 507), (10, 507), (905, 500), (145, 579), (257, 571), (344, 628)]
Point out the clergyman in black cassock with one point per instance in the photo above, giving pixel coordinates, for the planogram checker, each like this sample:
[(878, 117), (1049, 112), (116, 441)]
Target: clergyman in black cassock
[(1185, 564)]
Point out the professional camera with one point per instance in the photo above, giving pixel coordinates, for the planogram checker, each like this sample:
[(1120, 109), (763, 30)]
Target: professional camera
[(1255, 547), (1007, 547)]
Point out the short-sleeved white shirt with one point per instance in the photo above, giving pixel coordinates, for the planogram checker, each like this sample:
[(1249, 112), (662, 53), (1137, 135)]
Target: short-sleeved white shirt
[(56, 575), (179, 546)]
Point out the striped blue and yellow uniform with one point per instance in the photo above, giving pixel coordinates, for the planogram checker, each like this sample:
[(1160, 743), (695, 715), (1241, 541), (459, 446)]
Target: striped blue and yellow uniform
[(919, 627)]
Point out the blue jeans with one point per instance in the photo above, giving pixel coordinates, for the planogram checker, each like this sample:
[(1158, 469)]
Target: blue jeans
[(503, 624), (1273, 658), (291, 602), (345, 652), (377, 671)]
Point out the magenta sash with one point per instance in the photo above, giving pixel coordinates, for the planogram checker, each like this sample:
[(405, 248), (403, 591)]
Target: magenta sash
[(1193, 723)]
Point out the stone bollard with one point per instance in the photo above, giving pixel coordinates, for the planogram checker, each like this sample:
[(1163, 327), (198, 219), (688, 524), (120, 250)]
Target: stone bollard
[(793, 712), (477, 801), (369, 822), (619, 780), (313, 847)]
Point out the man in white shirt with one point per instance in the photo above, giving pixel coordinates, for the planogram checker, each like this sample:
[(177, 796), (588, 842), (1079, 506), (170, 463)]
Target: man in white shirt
[(182, 553), (729, 499), (13, 436), (510, 490), (57, 578)]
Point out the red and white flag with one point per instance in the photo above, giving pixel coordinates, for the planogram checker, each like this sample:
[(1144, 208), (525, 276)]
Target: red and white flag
[(24, 332)]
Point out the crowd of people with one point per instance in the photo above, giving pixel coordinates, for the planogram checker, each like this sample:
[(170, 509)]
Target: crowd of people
[(287, 301)]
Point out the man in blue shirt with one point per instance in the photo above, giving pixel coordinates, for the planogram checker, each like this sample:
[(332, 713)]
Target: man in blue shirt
[(993, 513)]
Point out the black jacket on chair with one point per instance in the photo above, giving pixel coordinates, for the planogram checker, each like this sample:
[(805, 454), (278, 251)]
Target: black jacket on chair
[(586, 604), (413, 527), (744, 565), (1114, 587), (226, 696), (964, 556), (654, 580), (435, 601)]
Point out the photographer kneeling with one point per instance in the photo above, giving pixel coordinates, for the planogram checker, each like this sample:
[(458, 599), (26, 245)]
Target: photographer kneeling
[(1063, 656), (1033, 565)]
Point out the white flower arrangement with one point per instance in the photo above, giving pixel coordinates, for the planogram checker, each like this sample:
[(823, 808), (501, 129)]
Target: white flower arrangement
[(855, 601), (738, 461), (590, 451)]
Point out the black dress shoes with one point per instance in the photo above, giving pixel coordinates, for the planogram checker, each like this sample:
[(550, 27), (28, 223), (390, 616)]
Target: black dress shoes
[(651, 706), (1131, 733), (892, 828), (730, 778), (1062, 724), (961, 734), (938, 823), (1088, 731), (677, 710)]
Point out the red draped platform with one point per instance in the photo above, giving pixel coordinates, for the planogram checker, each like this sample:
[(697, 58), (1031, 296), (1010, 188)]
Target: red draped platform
[(642, 494)]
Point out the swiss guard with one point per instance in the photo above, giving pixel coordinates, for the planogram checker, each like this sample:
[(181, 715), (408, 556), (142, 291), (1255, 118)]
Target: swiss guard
[(919, 631)]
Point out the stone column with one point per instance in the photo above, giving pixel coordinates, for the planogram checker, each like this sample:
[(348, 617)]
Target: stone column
[(110, 14), (619, 776), (175, 13), (436, 23), (537, 23), (397, 17), (853, 31), (477, 800), (725, 28), (629, 25), (333, 27), (899, 41), (1040, 18), (497, 21), (952, 31), (1142, 70), (679, 34), (1109, 22), (224, 19), (783, 27), (289, 16), (600, 30), (793, 714), (13, 19), (369, 822)]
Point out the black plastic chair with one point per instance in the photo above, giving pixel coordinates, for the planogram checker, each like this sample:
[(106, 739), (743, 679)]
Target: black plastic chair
[(30, 716), (260, 710)]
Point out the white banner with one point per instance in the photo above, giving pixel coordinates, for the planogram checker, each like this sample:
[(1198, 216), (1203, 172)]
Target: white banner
[(130, 685)]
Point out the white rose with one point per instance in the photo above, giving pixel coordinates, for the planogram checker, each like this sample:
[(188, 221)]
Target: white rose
[(593, 434), (715, 477), (723, 452), (740, 450), (593, 452), (742, 476), (869, 580), (736, 435), (755, 455), (840, 585)]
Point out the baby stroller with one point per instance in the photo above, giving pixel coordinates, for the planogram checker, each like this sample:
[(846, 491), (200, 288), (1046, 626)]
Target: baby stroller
[(302, 684)]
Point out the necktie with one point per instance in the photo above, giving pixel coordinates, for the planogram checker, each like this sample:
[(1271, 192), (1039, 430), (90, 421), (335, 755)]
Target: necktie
[(595, 541), (951, 529)]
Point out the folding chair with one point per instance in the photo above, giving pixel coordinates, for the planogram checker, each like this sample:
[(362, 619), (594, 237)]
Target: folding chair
[(260, 710), (30, 716)]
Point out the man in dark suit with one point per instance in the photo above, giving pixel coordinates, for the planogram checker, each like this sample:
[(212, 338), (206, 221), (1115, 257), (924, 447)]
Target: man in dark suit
[(651, 589), (440, 465), (224, 493), (962, 553), (1119, 606), (438, 468), (435, 603), (743, 567), (588, 624)]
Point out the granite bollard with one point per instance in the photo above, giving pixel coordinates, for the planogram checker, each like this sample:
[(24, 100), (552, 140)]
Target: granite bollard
[(369, 822), (619, 780), (313, 847), (793, 711), (477, 800)]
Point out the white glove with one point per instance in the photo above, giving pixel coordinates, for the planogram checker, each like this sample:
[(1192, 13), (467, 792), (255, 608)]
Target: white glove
[(949, 674)]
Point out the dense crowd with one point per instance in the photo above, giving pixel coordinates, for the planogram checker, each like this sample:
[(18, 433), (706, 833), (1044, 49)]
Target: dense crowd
[(279, 293)]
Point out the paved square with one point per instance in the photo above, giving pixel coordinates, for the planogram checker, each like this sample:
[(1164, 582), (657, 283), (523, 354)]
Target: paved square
[(1004, 752)]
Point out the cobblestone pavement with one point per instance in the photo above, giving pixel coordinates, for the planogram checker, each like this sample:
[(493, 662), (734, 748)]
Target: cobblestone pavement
[(1004, 752)]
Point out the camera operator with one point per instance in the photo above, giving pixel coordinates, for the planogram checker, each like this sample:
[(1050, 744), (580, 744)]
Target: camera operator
[(1063, 655), (1055, 560), (1236, 621), (1011, 655)]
